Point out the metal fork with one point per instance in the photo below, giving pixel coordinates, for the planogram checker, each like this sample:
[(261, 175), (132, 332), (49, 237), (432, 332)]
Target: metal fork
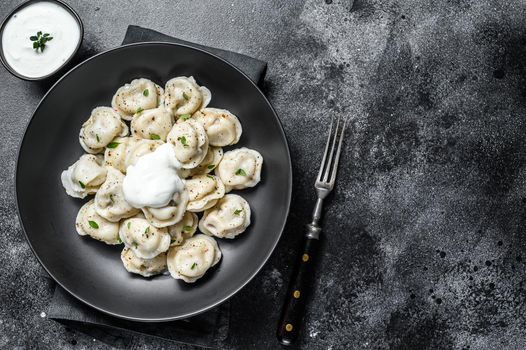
[(295, 300)]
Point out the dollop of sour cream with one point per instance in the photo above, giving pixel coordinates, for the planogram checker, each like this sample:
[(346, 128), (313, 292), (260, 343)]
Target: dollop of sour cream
[(45, 17), (153, 180)]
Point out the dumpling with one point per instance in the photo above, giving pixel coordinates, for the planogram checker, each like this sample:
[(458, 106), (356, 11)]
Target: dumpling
[(109, 200), (84, 177), (222, 127), (136, 96), (170, 214), (182, 95), (143, 267), (152, 124), (204, 191), (240, 168), (146, 241), (140, 148), (193, 258), (190, 143), (208, 164), (103, 125), (116, 152), (184, 229), (88, 222), (227, 219)]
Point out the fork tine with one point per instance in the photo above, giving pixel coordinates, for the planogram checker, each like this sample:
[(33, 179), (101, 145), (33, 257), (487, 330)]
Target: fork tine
[(329, 161), (326, 150), (337, 158)]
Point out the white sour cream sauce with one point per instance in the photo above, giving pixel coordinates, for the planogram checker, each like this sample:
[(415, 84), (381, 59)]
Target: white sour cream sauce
[(153, 180), (47, 17)]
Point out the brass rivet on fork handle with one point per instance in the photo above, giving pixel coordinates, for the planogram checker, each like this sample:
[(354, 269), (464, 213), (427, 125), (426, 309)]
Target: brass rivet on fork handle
[(294, 307)]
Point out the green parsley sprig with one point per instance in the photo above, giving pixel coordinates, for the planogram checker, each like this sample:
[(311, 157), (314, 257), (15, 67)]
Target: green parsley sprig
[(40, 40)]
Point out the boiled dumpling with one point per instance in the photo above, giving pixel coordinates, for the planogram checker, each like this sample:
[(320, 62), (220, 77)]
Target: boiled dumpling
[(227, 219), (136, 96), (153, 124), (88, 222), (84, 177), (116, 152), (170, 214), (240, 168), (182, 95), (222, 127), (143, 267), (145, 240), (190, 143), (204, 191), (193, 258), (109, 200), (184, 229), (208, 164), (103, 125), (140, 148)]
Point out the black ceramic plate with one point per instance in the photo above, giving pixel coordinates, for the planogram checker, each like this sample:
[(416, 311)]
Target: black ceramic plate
[(91, 270)]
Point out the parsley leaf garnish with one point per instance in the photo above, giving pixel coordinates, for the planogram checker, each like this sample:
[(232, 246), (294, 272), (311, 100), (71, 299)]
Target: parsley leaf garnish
[(113, 144), (155, 137), (146, 92), (82, 185), (241, 172), (237, 211), (93, 224), (193, 266), (185, 116), (183, 140), (139, 110), (185, 96), (39, 40)]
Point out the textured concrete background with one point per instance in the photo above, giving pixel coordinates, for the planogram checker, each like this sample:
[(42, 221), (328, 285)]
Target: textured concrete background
[(425, 243)]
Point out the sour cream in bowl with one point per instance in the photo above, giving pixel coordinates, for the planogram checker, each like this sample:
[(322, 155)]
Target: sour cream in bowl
[(39, 38)]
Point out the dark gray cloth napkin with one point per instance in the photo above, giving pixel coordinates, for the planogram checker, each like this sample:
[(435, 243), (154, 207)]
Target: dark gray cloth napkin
[(207, 329), (255, 69)]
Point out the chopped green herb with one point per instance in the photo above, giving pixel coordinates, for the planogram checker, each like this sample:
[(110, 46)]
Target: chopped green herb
[(119, 240), (185, 116), (155, 137), (241, 172), (39, 40), (82, 185), (93, 224), (172, 241), (147, 230), (113, 144), (193, 266), (111, 198), (129, 224), (185, 96), (135, 244), (183, 140), (187, 228), (98, 138), (210, 176), (211, 166), (146, 92), (237, 211), (139, 110)]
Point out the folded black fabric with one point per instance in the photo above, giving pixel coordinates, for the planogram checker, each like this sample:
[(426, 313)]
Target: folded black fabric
[(207, 329), (252, 67)]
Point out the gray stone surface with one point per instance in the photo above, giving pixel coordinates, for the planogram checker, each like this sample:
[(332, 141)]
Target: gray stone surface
[(424, 245)]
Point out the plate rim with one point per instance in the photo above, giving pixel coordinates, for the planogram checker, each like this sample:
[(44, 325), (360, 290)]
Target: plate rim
[(253, 274)]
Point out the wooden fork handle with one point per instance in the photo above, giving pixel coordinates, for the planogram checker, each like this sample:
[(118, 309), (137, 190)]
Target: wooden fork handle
[(298, 291)]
